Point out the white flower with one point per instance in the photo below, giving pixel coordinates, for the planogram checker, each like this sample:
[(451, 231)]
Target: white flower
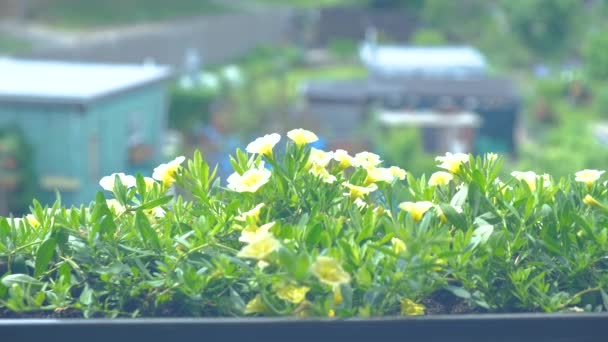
[(440, 178), (264, 145), (320, 157), (107, 182), (527, 176), (321, 172), (343, 158), (301, 136), (166, 172), (452, 162), (367, 159), (115, 206), (588, 176), (250, 181), (361, 204)]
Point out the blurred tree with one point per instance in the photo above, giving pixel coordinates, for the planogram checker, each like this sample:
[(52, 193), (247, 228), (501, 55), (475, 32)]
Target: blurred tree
[(595, 54), (460, 19), (543, 26)]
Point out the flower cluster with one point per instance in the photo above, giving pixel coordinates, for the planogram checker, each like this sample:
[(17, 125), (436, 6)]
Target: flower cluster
[(311, 233)]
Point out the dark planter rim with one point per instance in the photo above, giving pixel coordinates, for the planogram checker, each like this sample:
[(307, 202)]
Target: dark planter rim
[(532, 327)]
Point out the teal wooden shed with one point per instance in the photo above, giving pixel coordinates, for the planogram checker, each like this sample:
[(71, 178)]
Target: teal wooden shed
[(85, 121)]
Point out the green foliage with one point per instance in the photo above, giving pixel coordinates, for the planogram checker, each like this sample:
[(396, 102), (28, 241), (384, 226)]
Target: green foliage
[(343, 48), (16, 169), (298, 233), (189, 107), (428, 37), (79, 14), (595, 55), (544, 26)]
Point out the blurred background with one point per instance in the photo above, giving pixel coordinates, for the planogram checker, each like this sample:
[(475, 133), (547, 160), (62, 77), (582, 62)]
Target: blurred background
[(88, 88)]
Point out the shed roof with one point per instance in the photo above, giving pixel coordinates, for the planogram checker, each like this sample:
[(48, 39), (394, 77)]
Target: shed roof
[(71, 83), (420, 61), (361, 90)]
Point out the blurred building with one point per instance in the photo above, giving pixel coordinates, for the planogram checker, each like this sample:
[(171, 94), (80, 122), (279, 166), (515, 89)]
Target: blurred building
[(436, 80), (84, 121)]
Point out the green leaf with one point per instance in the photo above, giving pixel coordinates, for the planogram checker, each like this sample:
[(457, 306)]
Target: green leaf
[(141, 185), (155, 203), (313, 235), (5, 233), (460, 197), (43, 256), (481, 235), (148, 235), (604, 298), (459, 291), (454, 217), (20, 279), (87, 296)]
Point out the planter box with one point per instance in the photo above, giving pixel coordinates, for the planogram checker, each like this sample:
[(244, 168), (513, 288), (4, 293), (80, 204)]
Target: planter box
[(579, 327)]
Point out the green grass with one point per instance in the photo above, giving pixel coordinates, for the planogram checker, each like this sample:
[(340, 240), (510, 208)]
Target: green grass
[(86, 14), (10, 45), (269, 87)]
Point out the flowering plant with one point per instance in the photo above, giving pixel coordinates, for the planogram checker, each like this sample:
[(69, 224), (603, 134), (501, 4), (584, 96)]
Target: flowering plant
[(313, 233)]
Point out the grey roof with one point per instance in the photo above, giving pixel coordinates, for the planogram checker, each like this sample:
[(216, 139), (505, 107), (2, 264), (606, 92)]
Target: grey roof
[(361, 90), (71, 83)]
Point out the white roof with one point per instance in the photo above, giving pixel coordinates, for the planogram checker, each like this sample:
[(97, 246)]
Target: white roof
[(62, 82), (441, 61), (429, 119)]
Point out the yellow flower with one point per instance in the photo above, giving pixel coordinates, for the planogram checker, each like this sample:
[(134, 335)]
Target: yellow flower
[(378, 174), (398, 245), (397, 172), (260, 248), (409, 308), (252, 215), (528, 176), (115, 206), (337, 295), (343, 158), (380, 210), (440, 178), (416, 209), (329, 271), (452, 162), (250, 181), (301, 136), (367, 159), (331, 313), (588, 176), (252, 235), (359, 191), (321, 172), (293, 294), (264, 145), (589, 200), (166, 172), (255, 306), (32, 220), (319, 157), (107, 182)]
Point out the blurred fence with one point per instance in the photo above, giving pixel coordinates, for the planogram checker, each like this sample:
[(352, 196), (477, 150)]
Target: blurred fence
[(223, 37), (215, 38)]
